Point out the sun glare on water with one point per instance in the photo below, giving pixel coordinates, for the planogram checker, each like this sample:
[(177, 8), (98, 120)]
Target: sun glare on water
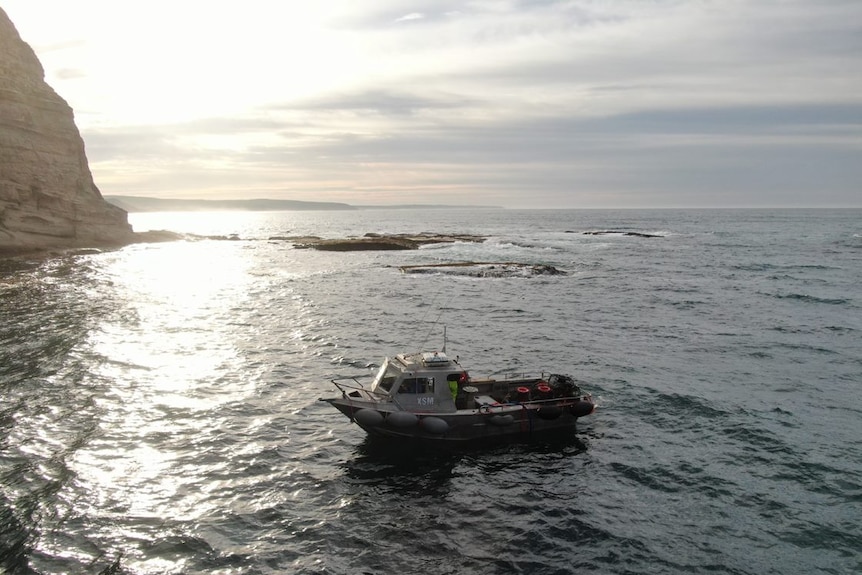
[(170, 366), (167, 332)]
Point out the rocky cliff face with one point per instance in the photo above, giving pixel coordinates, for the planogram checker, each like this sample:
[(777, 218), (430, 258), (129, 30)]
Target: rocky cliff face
[(47, 195)]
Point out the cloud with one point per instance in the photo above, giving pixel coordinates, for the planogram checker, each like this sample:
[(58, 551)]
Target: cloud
[(380, 101), (411, 16), (670, 102), (714, 157), (70, 73)]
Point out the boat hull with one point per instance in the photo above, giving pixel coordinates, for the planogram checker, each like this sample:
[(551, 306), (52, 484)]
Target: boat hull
[(487, 423)]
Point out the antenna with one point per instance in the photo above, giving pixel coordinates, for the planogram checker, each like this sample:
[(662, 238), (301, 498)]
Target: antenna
[(436, 321)]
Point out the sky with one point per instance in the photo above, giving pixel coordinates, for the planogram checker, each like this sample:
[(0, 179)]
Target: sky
[(514, 103)]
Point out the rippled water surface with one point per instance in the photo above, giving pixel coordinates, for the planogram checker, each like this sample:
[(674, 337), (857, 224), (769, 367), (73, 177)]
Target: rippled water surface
[(159, 404)]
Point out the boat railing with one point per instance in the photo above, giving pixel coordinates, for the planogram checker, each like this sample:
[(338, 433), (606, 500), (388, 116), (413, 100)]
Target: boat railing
[(538, 402), (508, 376), (564, 400), (349, 386)]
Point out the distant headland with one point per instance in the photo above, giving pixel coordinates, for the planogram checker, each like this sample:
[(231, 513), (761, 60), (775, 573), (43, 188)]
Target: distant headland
[(147, 204)]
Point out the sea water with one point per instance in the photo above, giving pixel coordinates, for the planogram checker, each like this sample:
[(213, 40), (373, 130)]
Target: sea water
[(159, 404)]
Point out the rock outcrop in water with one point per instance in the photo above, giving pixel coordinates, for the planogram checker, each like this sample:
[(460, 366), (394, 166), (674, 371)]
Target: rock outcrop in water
[(380, 242), (621, 233), (375, 242), (485, 269), (47, 195)]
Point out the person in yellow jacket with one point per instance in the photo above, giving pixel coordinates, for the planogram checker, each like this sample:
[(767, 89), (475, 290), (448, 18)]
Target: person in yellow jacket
[(454, 381), (453, 387)]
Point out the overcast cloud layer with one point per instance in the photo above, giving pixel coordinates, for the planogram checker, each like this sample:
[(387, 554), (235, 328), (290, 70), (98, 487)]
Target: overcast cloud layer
[(603, 103)]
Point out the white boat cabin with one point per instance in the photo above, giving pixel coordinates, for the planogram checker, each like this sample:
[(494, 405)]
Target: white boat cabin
[(424, 382)]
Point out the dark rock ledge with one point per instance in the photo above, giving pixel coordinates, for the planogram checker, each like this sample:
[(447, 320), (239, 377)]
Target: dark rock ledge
[(485, 269), (378, 242), (622, 233), (372, 242)]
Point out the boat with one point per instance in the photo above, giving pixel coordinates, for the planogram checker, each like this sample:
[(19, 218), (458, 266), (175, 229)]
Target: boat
[(430, 396)]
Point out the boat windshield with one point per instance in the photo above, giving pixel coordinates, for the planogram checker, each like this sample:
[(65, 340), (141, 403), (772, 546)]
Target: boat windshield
[(386, 377)]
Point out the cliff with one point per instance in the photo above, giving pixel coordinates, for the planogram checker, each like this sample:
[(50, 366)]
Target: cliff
[(47, 195)]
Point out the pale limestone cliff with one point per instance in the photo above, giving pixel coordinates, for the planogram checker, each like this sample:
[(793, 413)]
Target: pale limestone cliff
[(47, 195)]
